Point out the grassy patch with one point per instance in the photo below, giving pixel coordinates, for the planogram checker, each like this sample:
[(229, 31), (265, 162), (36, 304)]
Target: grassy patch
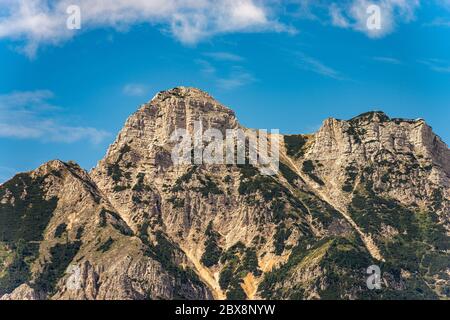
[(308, 167), (295, 145), (106, 245), (238, 262), (61, 256), (165, 252), (22, 225), (212, 253), (176, 202), (60, 229), (251, 182), (18, 271), (290, 175), (208, 187), (281, 235)]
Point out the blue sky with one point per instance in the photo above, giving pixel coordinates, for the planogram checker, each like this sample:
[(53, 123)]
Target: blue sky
[(278, 64)]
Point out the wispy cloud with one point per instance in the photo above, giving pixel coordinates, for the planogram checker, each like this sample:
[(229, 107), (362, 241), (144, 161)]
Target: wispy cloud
[(436, 65), (238, 77), (308, 63), (233, 78), (37, 22), (338, 18), (224, 56), (388, 60), (30, 115), (135, 89), (206, 67), (438, 22), (33, 23)]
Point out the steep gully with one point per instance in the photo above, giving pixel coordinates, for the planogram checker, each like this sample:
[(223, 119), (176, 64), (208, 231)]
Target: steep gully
[(367, 239)]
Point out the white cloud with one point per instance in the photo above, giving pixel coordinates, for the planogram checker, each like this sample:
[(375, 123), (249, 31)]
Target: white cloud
[(438, 22), (353, 14), (37, 22), (29, 115), (337, 17), (236, 76), (206, 67), (436, 65), (224, 56), (311, 64), (387, 60), (135, 89)]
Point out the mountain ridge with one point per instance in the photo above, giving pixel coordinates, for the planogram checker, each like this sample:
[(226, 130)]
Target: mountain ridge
[(355, 193)]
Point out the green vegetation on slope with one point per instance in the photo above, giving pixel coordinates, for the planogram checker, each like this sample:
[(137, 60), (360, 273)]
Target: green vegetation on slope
[(295, 145), (61, 256), (309, 168), (212, 253), (417, 242), (339, 263), (238, 261), (22, 224), (165, 252)]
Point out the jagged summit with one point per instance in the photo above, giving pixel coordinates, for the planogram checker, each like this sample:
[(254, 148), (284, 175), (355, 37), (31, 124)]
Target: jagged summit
[(55, 166), (58, 165), (182, 92), (180, 107), (378, 116), (192, 98)]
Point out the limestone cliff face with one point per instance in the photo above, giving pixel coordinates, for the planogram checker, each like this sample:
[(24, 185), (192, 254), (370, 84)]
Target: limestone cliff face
[(57, 220), (206, 209), (371, 190), (141, 155), (398, 159), (410, 162)]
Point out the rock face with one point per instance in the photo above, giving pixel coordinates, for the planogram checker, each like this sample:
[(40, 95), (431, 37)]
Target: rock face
[(57, 226), (368, 191)]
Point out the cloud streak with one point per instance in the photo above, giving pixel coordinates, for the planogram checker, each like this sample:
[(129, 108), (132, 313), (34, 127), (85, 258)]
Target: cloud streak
[(235, 77), (238, 77), (224, 56), (308, 63), (388, 60), (30, 115), (135, 89), (436, 65)]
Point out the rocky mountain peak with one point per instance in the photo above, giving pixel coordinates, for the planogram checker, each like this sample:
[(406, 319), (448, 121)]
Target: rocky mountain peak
[(371, 116), (186, 101), (178, 108), (183, 93), (147, 134), (58, 167), (368, 134), (357, 192), (402, 158)]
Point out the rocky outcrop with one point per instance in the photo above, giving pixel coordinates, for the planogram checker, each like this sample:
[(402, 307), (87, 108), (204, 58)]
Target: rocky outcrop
[(23, 292), (410, 162), (78, 247)]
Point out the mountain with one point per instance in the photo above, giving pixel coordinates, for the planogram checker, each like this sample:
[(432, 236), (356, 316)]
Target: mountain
[(368, 191)]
